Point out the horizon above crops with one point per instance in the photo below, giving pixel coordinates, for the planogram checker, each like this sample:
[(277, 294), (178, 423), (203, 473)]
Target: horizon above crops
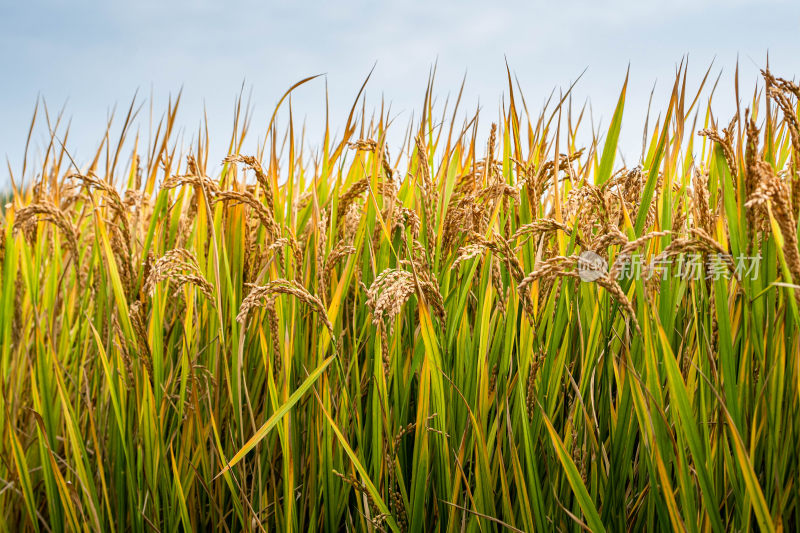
[(93, 57)]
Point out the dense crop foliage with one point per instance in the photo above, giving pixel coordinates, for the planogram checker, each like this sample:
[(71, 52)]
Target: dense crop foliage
[(354, 339)]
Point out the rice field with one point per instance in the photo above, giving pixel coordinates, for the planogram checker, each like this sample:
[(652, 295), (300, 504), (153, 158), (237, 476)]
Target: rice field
[(453, 333)]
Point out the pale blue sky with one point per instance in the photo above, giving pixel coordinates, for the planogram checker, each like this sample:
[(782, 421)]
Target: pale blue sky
[(93, 55)]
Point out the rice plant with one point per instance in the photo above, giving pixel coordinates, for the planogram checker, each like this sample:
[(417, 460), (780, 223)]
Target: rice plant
[(454, 334)]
